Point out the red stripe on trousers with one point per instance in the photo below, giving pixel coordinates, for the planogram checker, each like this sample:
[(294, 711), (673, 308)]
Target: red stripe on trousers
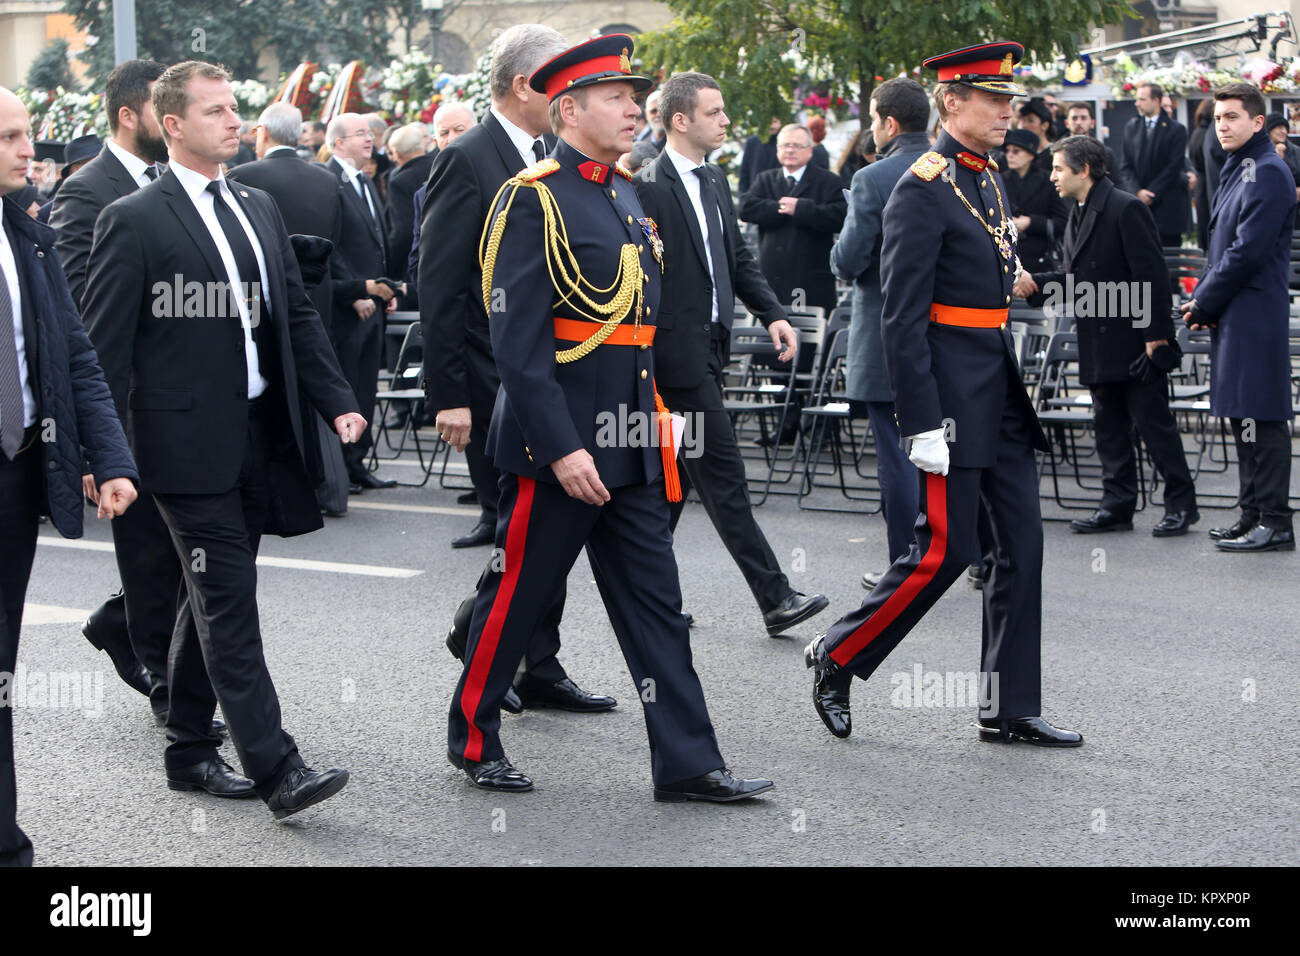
[(936, 515), (486, 648)]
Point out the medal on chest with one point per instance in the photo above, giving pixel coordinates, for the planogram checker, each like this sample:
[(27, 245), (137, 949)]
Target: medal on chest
[(1003, 234), (651, 232)]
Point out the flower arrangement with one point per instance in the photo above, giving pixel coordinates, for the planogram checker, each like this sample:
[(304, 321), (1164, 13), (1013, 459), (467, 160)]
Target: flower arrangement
[(407, 85), (1189, 77), (252, 97), (65, 114)]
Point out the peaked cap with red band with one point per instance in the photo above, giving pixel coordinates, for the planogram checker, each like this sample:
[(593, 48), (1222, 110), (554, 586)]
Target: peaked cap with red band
[(601, 60), (987, 66)]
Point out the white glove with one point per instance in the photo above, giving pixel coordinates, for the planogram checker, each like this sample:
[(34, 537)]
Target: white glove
[(930, 452)]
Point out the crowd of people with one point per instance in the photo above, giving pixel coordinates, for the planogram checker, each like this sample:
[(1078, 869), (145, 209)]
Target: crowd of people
[(614, 283)]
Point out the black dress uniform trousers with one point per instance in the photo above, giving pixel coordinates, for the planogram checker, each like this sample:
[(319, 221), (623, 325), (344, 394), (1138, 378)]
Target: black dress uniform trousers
[(540, 532), (948, 534), (1264, 472), (1119, 407), (718, 477), (216, 537)]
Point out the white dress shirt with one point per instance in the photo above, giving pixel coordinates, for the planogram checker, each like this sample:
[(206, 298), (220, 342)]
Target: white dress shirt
[(135, 166), (686, 171), (10, 266), (196, 187), (797, 174), (523, 142), (354, 177)]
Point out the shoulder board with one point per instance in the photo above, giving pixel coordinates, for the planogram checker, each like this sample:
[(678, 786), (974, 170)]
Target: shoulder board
[(543, 167), (993, 165), (929, 165), (622, 172)]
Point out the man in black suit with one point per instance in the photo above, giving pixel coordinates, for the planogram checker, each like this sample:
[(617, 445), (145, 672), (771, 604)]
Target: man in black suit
[(1079, 121), (706, 265), (1151, 164), (798, 209), (134, 627), (758, 155), (406, 147), (360, 259), (211, 406), (1111, 243), (460, 375)]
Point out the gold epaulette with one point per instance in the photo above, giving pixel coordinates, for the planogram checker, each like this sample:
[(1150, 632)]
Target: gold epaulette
[(929, 165), (543, 167), (622, 172)]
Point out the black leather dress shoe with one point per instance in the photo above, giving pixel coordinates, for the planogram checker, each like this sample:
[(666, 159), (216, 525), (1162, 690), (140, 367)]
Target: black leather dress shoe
[(1032, 730), (1100, 521), (975, 576), (493, 774), (456, 644), (716, 787), (1259, 538), (368, 479), (214, 776), (1236, 531), (831, 686), (109, 634), (354, 488), (793, 610), (302, 787), (481, 534), (1175, 523), (870, 579), (562, 695), (334, 512), (689, 618), (468, 498)]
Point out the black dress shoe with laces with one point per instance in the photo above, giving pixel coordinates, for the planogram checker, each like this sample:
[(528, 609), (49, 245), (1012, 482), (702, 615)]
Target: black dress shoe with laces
[(106, 630), (481, 534), (1032, 730), (795, 609), (564, 694), (302, 787), (497, 774), (213, 776), (720, 786), (456, 644), (1236, 531), (831, 686), (1101, 520), (870, 579), (368, 479), (1175, 523), (1259, 538)]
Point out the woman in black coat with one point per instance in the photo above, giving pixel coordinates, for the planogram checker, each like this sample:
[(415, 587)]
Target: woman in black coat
[(1036, 208)]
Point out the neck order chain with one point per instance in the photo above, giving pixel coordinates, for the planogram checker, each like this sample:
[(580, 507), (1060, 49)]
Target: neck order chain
[(998, 234)]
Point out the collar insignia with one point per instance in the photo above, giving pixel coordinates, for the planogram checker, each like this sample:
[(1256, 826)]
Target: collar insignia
[(971, 161)]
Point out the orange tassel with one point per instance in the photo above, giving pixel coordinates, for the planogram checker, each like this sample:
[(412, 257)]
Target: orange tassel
[(672, 483)]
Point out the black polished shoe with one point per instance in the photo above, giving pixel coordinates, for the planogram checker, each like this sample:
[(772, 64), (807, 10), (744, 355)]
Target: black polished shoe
[(106, 630), (492, 774), (468, 498), (1259, 538), (354, 488), (456, 644), (214, 776), (1175, 523), (1100, 521), (301, 787), (562, 695), (334, 512), (689, 618), (795, 609), (1236, 531), (716, 787), (481, 534), (831, 686), (870, 579), (1032, 730), (975, 576), (368, 479)]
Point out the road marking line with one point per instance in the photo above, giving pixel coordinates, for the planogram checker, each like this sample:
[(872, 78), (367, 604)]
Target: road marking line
[(414, 509), (51, 614), (263, 560)]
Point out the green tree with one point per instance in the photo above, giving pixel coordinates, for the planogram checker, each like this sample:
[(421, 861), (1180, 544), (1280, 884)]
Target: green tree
[(760, 50), (50, 69)]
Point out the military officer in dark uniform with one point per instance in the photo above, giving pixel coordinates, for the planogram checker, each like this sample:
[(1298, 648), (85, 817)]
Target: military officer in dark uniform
[(571, 277), (948, 264)]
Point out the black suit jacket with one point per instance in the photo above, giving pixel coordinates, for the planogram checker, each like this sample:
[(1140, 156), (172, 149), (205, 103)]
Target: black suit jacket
[(76, 207), (400, 211), (794, 251), (361, 252), (1112, 245), (180, 382), (460, 372), (682, 343), (1035, 196), (309, 201), (1158, 169)]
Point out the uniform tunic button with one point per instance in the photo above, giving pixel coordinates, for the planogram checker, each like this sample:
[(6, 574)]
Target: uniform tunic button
[(990, 210), (629, 219), (647, 310), (1004, 325), (1008, 300), (984, 182), (644, 373), (640, 248), (613, 194), (1004, 268), (644, 347)]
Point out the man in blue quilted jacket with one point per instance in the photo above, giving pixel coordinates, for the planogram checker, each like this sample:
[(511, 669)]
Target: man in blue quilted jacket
[(53, 402)]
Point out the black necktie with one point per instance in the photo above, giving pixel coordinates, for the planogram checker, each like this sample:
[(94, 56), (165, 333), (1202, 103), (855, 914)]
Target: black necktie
[(789, 185), (539, 151), (363, 188), (245, 258), (726, 299), (11, 384), (151, 172)]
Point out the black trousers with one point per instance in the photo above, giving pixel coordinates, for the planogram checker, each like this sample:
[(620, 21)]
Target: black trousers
[(482, 471), (1120, 407), (360, 350), (216, 538), (897, 477), (20, 505), (718, 476), (540, 532), (1264, 472), (948, 534)]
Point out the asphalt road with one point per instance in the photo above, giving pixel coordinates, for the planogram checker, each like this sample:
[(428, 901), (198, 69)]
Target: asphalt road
[(1177, 663)]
